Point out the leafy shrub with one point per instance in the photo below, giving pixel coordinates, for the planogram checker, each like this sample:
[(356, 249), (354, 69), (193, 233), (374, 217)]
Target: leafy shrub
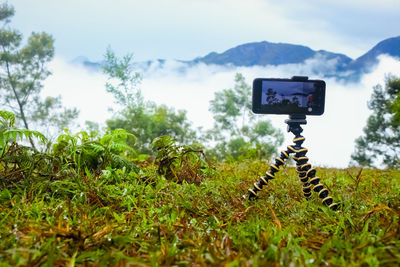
[(16, 160), (180, 162), (10, 134), (82, 151)]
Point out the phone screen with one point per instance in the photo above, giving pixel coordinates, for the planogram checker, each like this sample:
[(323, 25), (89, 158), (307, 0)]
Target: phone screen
[(285, 96)]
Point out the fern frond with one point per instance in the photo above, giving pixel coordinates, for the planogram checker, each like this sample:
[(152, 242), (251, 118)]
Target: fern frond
[(120, 147), (163, 141), (7, 119), (117, 135), (97, 148), (120, 162), (13, 134), (83, 136)]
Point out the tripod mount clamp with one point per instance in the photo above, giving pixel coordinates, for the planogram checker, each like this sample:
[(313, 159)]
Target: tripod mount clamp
[(294, 123)]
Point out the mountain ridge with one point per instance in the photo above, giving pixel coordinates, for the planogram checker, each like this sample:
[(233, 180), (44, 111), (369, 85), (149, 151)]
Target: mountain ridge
[(389, 46), (267, 53)]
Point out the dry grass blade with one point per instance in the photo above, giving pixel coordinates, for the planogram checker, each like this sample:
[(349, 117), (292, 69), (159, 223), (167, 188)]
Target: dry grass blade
[(240, 216), (275, 218), (375, 209), (100, 234), (357, 179)]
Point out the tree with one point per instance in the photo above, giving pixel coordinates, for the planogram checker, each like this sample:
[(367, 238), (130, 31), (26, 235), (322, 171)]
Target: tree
[(144, 119), (271, 96), (151, 122), (381, 139), (237, 131), (22, 70), (123, 81)]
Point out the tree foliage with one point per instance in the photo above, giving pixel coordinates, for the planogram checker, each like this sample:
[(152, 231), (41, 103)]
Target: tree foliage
[(381, 138), (144, 119), (22, 71), (231, 106), (237, 131), (122, 80)]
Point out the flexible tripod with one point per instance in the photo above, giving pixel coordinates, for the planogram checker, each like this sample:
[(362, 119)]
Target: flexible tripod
[(304, 169)]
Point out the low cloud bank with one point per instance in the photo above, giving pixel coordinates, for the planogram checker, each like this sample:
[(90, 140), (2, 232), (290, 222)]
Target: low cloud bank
[(330, 137)]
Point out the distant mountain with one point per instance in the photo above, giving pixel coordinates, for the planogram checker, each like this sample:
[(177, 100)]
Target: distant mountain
[(364, 63), (266, 53), (81, 60)]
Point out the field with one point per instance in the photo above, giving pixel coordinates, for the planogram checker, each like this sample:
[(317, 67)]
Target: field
[(140, 218)]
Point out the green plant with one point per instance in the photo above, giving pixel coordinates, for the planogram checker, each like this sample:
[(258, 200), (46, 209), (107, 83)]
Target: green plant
[(18, 162), (180, 162), (9, 134), (80, 151)]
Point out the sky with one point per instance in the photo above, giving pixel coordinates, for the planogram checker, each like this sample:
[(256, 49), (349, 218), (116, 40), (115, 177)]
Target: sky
[(186, 29), (181, 30)]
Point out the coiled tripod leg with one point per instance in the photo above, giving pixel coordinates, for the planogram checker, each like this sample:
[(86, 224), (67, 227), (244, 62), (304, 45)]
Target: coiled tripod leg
[(269, 175), (307, 175), (301, 159), (304, 169)]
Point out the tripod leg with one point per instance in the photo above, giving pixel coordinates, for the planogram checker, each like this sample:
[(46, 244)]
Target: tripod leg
[(271, 173), (301, 159), (307, 175)]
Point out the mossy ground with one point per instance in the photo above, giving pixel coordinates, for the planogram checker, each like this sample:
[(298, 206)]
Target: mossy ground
[(120, 218)]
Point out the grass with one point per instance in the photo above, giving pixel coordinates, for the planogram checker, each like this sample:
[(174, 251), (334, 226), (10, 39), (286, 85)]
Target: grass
[(142, 219)]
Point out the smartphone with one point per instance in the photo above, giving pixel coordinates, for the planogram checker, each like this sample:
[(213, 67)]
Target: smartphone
[(288, 96)]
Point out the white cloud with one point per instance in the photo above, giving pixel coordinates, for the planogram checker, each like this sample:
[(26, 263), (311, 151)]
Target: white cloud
[(79, 88), (330, 137)]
